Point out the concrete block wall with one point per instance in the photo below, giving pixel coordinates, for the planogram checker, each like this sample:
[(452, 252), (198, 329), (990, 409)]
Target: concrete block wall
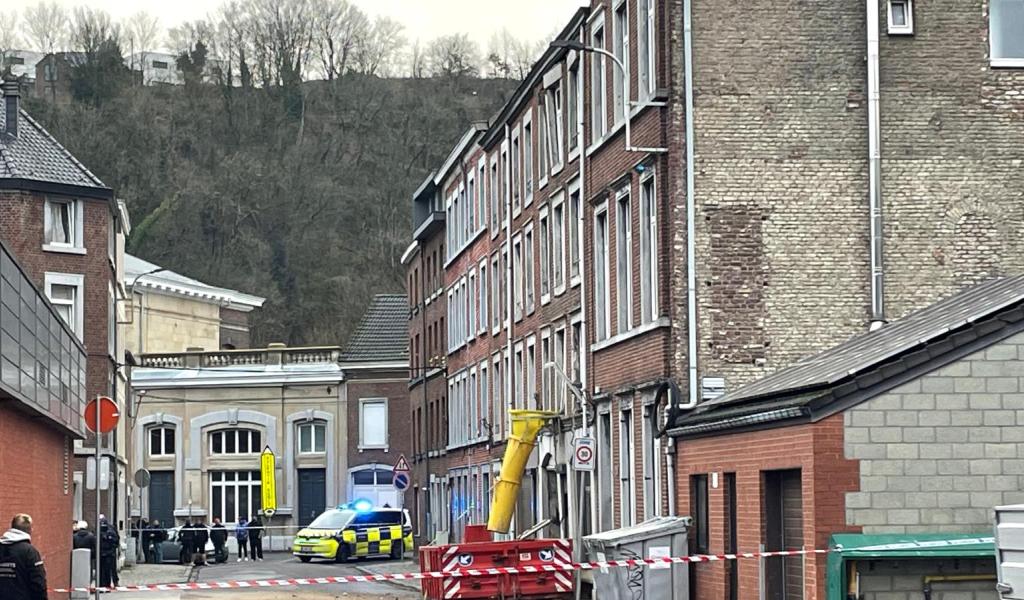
[(937, 453), (904, 579)]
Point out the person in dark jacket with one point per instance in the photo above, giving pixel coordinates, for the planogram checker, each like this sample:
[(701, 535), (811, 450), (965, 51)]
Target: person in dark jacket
[(242, 537), (141, 536), (255, 529), (219, 537), (84, 538), (109, 545), (201, 535), (187, 536), (157, 536), (22, 575)]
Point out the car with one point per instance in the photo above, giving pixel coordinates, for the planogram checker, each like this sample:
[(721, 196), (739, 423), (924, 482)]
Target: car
[(354, 531), (172, 550)]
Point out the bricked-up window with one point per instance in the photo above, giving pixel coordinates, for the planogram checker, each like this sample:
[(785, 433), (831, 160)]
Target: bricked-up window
[(373, 423), (598, 90), (545, 256), (624, 262), (573, 238), (901, 17), (236, 441), (161, 441), (699, 512), (234, 495), (1006, 32), (572, 105), (483, 296), (517, 203), (313, 438), (529, 280), (620, 47), (558, 244), (648, 249), (493, 186), (627, 454), (527, 160), (782, 519), (602, 297), (62, 224), (646, 49)]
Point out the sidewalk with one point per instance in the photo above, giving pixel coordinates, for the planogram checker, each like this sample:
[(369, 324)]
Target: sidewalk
[(391, 567), (148, 574)]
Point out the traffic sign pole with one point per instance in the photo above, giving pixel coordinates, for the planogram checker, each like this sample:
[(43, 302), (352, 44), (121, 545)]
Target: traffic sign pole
[(96, 523)]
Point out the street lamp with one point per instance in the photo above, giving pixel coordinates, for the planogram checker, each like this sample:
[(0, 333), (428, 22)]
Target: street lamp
[(626, 102)]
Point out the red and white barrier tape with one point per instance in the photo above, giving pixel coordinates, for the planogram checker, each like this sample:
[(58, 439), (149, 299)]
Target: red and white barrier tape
[(526, 569)]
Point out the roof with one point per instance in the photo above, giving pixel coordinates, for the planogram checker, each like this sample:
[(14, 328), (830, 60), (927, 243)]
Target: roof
[(139, 272), (813, 378), (382, 333), (35, 156)]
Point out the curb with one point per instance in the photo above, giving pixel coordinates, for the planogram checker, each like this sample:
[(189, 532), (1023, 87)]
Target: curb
[(409, 585)]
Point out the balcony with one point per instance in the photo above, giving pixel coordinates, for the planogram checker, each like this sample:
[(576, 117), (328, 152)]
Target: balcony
[(275, 355), (42, 362)]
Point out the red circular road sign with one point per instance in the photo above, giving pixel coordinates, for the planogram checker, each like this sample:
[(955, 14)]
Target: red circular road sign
[(109, 414), (584, 454)]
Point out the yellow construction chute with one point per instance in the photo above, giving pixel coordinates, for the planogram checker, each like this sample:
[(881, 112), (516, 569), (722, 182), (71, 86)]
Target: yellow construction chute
[(526, 424)]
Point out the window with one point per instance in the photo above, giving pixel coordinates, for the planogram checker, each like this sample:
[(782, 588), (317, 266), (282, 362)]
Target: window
[(699, 509), (545, 257), (471, 307), (517, 205), (493, 185), (161, 441), (517, 277), (605, 493), (497, 301), (235, 441), (543, 153), (574, 231), (485, 400), (547, 378), (598, 107), (624, 263), (558, 245), (505, 308), (901, 17), (50, 71), (62, 225), (553, 111), (65, 293), (621, 50), (111, 323), (651, 455), (558, 357), (517, 374), (505, 177), (483, 283), (646, 52), (627, 490), (572, 106), (373, 423), (312, 438), (530, 375), (527, 161), (576, 356), (472, 218), (481, 198), (528, 268), (648, 250), (235, 495), (1006, 32), (159, 64), (602, 298), (14, 60)]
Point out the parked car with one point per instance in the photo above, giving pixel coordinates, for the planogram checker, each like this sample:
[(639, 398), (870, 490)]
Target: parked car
[(355, 530), (174, 553)]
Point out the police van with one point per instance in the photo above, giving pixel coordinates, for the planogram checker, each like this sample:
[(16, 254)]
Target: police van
[(355, 530)]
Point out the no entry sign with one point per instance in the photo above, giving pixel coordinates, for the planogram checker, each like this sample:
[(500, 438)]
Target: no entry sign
[(108, 415)]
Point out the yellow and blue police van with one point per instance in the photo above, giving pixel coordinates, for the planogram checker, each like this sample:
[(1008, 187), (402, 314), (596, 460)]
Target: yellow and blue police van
[(355, 530)]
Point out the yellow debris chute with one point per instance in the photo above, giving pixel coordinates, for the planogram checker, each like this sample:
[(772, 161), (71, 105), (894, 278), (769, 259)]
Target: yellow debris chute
[(526, 424)]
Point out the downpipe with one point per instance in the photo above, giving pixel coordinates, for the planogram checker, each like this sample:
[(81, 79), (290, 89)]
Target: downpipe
[(875, 169), (691, 263)]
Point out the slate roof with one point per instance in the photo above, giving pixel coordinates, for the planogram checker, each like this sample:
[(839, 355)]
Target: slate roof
[(813, 377), (382, 333), (34, 155)]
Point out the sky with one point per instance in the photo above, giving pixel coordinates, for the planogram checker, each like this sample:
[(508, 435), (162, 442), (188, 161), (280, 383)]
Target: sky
[(423, 19)]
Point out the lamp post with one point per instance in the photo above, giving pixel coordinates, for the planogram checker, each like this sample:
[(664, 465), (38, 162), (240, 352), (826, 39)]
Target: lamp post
[(626, 102)]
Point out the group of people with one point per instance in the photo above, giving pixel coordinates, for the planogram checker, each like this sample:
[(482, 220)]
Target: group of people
[(110, 544), (194, 535), (151, 537), (249, 535)]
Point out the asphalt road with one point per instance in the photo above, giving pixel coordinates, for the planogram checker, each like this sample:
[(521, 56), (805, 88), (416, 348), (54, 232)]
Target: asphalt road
[(285, 566)]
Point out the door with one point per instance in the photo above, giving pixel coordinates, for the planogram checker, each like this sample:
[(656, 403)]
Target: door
[(783, 522), (161, 497), (312, 494)]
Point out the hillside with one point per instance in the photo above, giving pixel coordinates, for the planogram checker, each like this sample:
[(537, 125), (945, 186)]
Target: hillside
[(300, 197)]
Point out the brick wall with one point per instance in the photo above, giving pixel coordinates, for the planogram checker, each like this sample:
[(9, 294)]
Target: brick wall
[(815, 449), (938, 453), (396, 390), (30, 449)]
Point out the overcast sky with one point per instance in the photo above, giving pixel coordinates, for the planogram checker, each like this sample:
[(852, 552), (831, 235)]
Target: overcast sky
[(424, 19)]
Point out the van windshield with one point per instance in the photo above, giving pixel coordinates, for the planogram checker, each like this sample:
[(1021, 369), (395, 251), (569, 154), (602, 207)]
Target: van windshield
[(332, 519)]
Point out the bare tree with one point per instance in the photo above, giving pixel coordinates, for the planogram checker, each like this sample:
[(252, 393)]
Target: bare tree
[(454, 55), (9, 38), (338, 29), (282, 32), (142, 30), (417, 60), (91, 28), (46, 26), (378, 51), (509, 57)]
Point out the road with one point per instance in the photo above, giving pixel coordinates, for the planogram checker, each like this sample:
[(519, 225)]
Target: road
[(284, 566)]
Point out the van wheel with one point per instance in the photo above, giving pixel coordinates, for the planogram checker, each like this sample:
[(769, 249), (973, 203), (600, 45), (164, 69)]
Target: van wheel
[(342, 554), (398, 550)]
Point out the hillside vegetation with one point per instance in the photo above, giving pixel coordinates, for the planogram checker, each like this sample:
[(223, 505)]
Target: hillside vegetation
[(301, 194)]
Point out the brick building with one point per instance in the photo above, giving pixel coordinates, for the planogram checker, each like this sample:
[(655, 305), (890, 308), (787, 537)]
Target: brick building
[(62, 225)]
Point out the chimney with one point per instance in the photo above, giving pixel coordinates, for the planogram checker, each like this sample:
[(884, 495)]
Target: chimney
[(12, 95)]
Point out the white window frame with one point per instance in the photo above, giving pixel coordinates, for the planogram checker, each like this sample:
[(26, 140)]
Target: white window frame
[(494, 195), (481, 194), (471, 306), (602, 293), (908, 27), (237, 432), (112, 321), (505, 187), (994, 34), (624, 259), (573, 218), (387, 426), (620, 77), (530, 371), (576, 347), (573, 105), (530, 279), (485, 399), (518, 277), (558, 356), (78, 306), (542, 141), (544, 238), (252, 482), (312, 426), (484, 297), (649, 255), (517, 172), (497, 301), (519, 389), (598, 81), (554, 108), (647, 36), (163, 453), (528, 171), (627, 474), (557, 245), (77, 245), (546, 378)]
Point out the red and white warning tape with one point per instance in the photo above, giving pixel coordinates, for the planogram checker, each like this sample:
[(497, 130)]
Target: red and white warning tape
[(525, 569)]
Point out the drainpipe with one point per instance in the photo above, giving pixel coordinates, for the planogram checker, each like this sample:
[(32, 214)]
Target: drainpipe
[(875, 170), (509, 281), (691, 262)]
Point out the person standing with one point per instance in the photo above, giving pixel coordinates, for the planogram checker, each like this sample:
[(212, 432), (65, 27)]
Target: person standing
[(109, 542), (22, 575), (255, 528), (140, 534), (242, 537), (202, 535), (157, 537), (187, 538), (219, 537)]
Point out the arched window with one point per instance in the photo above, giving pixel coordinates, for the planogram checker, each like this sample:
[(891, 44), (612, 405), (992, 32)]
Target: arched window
[(161, 441), (235, 441)]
